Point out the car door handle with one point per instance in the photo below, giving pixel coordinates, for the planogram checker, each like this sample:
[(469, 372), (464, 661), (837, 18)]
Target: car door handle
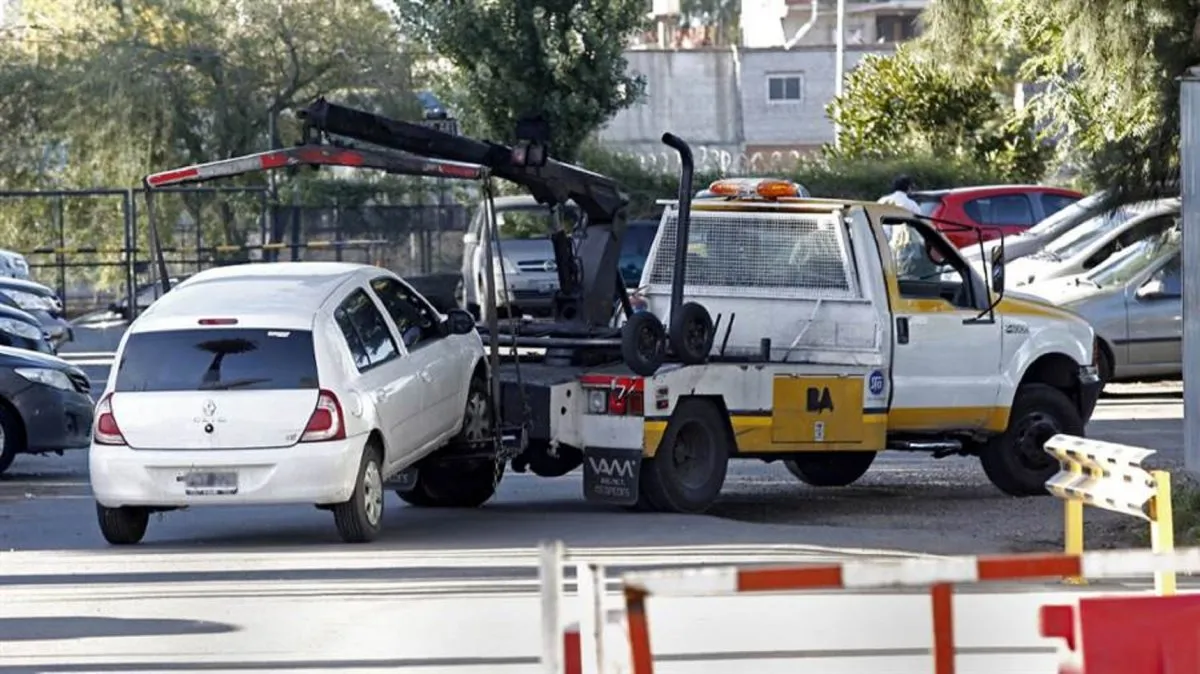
[(424, 374), (902, 329), (379, 394)]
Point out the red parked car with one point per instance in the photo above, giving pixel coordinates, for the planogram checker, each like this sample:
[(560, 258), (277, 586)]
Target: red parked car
[(997, 210)]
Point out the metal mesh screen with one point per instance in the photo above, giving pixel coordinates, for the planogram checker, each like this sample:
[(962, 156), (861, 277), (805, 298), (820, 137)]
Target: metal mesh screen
[(758, 254)]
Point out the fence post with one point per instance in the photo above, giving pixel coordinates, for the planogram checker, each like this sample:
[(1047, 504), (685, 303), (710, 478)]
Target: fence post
[(942, 596), (60, 257), (550, 572), (1162, 530), (129, 210)]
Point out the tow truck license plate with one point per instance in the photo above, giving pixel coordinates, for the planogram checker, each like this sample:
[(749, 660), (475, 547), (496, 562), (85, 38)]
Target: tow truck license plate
[(210, 482)]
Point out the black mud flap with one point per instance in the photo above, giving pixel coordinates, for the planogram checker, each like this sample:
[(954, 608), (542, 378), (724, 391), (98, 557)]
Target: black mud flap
[(611, 475), (405, 480)]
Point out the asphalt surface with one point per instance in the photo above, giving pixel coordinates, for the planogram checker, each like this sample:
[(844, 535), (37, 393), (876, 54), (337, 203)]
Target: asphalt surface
[(243, 589)]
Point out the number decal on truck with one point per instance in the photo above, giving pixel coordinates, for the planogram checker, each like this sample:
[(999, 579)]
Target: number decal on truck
[(819, 399)]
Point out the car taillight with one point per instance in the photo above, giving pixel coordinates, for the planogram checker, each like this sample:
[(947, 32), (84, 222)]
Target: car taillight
[(326, 422), (107, 432)]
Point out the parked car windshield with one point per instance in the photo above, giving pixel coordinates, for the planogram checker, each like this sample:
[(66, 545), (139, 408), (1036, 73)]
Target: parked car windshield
[(531, 222), (1076, 211), (635, 248), (1078, 238), (1127, 264), (217, 359)]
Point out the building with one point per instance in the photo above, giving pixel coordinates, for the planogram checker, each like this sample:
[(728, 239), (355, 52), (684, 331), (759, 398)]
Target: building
[(747, 107)]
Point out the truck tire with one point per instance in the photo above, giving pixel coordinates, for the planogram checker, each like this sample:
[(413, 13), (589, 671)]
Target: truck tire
[(360, 519), (830, 469), (692, 333), (1015, 460), (643, 341), (123, 526), (688, 470)]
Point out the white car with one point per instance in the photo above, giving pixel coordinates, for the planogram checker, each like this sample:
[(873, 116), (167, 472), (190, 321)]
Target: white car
[(293, 382), (1086, 246)]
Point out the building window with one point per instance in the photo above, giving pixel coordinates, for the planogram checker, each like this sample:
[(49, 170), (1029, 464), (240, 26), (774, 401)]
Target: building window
[(787, 88), (896, 27)]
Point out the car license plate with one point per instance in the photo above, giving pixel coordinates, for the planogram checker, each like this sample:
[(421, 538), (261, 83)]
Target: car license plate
[(549, 286), (210, 482)]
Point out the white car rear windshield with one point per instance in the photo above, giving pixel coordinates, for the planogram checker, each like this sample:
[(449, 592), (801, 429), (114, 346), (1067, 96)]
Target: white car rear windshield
[(218, 359)]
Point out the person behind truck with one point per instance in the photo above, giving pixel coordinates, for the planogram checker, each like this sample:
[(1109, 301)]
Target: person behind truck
[(908, 246), (902, 188)]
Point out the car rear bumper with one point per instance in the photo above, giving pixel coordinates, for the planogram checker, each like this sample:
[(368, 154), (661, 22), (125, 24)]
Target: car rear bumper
[(312, 473), (54, 419)]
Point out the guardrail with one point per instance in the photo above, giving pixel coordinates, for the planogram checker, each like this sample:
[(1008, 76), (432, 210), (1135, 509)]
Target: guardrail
[(1110, 476)]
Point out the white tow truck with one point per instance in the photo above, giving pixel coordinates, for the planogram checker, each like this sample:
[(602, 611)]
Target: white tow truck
[(827, 346)]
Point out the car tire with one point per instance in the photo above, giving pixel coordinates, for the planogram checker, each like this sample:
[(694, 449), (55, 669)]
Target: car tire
[(692, 333), (688, 470), (1104, 365), (12, 437), (830, 469), (123, 526), (1015, 461), (643, 342), (360, 519)]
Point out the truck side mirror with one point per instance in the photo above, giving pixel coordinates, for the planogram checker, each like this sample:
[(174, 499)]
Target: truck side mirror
[(998, 270), (460, 322)]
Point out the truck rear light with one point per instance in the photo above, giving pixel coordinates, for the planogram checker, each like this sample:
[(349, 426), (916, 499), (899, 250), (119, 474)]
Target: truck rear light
[(636, 405), (326, 422), (107, 432)]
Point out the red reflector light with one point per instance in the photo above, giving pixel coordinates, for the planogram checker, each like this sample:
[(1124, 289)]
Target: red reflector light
[(326, 422), (218, 321), (107, 432), (636, 404)]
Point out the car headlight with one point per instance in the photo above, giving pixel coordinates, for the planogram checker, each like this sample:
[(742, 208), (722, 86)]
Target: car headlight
[(501, 264), (29, 301), (20, 329), (41, 375)]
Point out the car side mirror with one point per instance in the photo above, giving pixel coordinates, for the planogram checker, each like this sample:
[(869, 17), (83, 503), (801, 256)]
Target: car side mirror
[(470, 238), (1151, 290), (460, 322)]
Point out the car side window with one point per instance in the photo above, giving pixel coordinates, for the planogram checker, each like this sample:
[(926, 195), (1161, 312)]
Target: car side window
[(1171, 277), (923, 266), (366, 332), (1005, 209), (1053, 203), (416, 322)]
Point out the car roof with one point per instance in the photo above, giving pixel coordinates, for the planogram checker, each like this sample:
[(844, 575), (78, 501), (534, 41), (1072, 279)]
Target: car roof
[(280, 294), (22, 284), (997, 189)]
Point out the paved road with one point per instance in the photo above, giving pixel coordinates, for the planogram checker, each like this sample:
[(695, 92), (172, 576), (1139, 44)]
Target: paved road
[(245, 589)]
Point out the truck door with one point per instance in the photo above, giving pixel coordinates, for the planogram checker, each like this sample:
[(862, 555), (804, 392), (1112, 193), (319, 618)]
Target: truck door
[(945, 366)]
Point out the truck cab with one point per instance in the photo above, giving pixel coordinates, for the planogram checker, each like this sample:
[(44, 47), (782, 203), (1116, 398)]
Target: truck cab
[(842, 329)]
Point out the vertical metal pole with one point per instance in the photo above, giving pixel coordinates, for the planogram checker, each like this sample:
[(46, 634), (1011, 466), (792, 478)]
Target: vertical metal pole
[(200, 247), (62, 244), (272, 181), (1162, 530), (1189, 158), (839, 68), (1073, 533), (639, 631), (550, 565), (129, 209), (295, 226)]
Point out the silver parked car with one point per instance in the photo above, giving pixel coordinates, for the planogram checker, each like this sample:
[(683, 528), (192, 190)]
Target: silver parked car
[(524, 262), (1135, 303)]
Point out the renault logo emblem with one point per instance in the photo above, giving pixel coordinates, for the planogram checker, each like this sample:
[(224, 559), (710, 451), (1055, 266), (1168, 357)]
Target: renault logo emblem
[(210, 408), (550, 265)]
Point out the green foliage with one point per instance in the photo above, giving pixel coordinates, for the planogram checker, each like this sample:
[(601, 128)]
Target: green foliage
[(905, 104), (557, 58), (1106, 70)]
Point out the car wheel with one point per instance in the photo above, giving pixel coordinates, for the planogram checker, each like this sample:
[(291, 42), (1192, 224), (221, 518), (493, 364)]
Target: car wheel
[(1015, 461), (360, 519), (643, 341), (12, 437), (688, 470), (830, 469), (123, 526)]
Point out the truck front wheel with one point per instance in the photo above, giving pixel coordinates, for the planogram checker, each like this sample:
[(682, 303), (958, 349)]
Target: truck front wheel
[(830, 469), (1016, 461), (688, 470)]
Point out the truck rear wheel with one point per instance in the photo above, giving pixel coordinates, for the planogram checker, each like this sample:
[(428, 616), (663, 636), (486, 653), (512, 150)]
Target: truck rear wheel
[(688, 470), (1016, 461), (830, 469)]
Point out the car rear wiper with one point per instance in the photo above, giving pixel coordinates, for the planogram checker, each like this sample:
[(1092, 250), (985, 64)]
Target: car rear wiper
[(236, 383)]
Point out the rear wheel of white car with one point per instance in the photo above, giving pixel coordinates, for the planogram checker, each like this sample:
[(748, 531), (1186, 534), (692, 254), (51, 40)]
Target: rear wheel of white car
[(12, 437), (830, 469), (123, 526), (688, 470), (1016, 461), (360, 519)]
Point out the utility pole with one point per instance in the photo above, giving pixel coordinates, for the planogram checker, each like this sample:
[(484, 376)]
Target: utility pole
[(272, 213), (839, 41)]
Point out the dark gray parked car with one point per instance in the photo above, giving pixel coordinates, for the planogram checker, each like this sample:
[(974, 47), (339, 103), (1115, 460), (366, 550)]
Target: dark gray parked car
[(45, 405)]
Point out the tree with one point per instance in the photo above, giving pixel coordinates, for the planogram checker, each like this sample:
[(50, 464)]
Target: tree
[(560, 59), (1106, 71), (906, 104)]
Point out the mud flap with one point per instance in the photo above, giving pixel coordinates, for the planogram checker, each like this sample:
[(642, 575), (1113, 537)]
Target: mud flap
[(611, 475), (405, 480)]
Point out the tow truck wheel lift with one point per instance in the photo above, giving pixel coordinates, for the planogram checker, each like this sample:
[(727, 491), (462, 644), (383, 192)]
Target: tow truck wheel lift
[(580, 334)]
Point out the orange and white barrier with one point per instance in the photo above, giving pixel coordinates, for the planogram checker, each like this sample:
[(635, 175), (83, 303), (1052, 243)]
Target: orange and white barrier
[(940, 574)]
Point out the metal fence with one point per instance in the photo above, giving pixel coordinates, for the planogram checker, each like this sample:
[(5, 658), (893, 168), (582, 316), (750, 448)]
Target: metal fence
[(92, 245)]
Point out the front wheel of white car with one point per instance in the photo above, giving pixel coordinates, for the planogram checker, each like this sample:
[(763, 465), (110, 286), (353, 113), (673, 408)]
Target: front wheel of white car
[(360, 519)]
